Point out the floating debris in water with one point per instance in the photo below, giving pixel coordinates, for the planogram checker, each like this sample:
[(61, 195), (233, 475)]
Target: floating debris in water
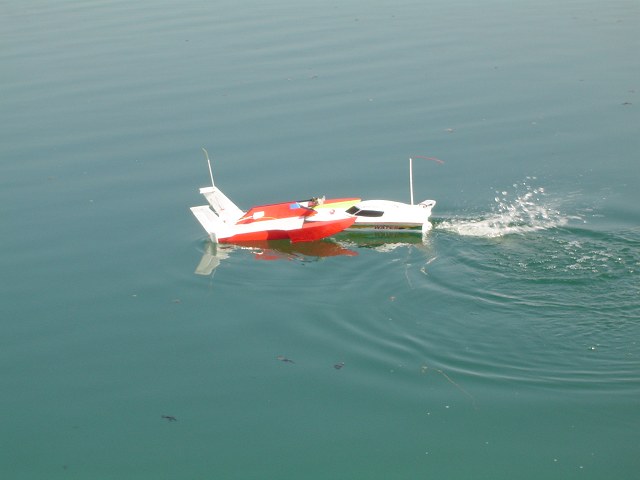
[(338, 365), (284, 359), (425, 369), (169, 418)]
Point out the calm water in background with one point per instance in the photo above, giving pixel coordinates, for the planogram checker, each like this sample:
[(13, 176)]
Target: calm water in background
[(503, 346)]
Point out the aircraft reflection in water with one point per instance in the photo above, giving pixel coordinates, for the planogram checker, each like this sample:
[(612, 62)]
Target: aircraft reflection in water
[(270, 250), (343, 244)]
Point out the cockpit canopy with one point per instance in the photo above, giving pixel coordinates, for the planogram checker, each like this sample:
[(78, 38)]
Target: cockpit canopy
[(364, 213)]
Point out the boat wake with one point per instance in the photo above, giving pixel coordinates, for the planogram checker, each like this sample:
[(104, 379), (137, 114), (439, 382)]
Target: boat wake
[(521, 210)]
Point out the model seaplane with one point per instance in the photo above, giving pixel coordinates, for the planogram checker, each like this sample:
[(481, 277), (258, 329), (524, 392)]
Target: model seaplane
[(297, 221)]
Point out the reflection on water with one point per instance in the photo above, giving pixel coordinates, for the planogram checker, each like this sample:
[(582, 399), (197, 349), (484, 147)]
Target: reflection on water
[(382, 241), (270, 250), (343, 244)]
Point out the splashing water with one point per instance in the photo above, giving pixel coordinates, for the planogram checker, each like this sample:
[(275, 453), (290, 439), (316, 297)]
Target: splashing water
[(525, 209)]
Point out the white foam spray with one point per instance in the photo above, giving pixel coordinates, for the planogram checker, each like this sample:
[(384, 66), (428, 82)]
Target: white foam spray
[(522, 209)]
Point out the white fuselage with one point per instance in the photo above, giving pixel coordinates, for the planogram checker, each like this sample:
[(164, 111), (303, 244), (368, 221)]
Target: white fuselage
[(389, 215)]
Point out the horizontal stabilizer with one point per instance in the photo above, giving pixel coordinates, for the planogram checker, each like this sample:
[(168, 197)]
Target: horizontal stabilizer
[(212, 224)]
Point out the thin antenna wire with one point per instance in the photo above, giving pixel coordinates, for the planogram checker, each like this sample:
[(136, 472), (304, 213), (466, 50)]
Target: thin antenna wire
[(434, 159), (209, 163), (411, 178)]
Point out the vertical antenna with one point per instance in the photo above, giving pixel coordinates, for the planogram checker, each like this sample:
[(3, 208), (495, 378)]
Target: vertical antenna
[(411, 178), (209, 163)]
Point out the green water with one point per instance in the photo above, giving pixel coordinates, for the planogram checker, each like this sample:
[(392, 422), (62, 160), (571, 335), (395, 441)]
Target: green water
[(503, 345)]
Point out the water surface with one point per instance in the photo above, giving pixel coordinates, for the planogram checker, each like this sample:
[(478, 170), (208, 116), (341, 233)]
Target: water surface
[(503, 345)]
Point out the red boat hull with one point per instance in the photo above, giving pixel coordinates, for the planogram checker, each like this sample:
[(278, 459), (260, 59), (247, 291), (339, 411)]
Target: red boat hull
[(309, 232)]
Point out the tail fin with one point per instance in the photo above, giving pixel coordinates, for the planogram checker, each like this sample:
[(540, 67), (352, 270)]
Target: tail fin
[(225, 208)]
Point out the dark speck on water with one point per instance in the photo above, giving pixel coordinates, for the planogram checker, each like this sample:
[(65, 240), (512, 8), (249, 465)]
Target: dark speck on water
[(284, 359), (169, 418)]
